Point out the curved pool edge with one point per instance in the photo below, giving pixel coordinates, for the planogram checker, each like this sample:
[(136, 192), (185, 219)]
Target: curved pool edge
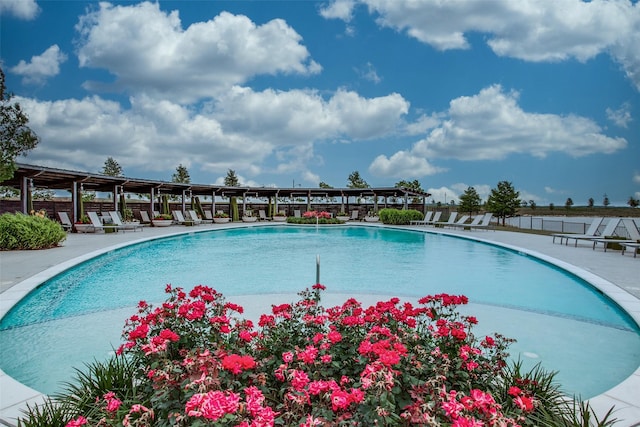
[(16, 396)]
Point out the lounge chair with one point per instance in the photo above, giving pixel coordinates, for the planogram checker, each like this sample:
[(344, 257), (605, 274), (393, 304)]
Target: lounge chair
[(427, 218), (355, 215), (436, 218), (627, 245), (66, 223), (98, 225), (476, 221), (178, 217), (608, 231), (296, 213), (208, 216), (629, 225), (591, 232), (192, 216), (115, 217), (262, 215), (458, 223), (145, 217), (485, 223), (450, 220)]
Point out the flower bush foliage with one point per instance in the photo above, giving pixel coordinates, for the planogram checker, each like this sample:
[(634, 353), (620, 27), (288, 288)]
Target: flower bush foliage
[(393, 363), (314, 217)]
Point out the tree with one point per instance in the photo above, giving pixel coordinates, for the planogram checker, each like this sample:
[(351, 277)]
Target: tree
[(469, 201), (503, 200), (568, 203), (181, 175), (16, 138), (111, 168), (532, 205), (355, 181), (324, 185), (633, 202), (591, 202), (605, 202), (411, 185), (231, 180)]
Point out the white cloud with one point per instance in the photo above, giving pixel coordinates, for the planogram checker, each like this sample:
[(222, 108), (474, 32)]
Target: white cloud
[(402, 165), (620, 117), (240, 131), (41, 67), (531, 30), (146, 49), (491, 125), (368, 72), (23, 9), (339, 9), (636, 177), (550, 190)]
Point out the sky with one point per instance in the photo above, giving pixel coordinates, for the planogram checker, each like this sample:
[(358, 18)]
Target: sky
[(544, 94)]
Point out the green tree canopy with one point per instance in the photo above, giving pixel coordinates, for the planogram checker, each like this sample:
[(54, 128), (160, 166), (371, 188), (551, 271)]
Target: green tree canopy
[(16, 138), (503, 200), (469, 201), (324, 185), (568, 203), (356, 181), (181, 175), (231, 180), (111, 167)]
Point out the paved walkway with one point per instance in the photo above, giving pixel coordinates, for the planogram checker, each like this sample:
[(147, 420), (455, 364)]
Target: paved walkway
[(618, 276)]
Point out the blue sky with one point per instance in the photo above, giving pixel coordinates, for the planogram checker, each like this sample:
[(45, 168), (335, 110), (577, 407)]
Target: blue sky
[(545, 94)]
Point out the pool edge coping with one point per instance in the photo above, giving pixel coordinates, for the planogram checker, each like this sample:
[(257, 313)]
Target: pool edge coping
[(618, 396)]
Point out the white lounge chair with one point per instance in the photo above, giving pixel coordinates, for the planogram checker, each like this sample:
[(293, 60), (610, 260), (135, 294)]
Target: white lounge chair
[(458, 223), (608, 231), (450, 220), (262, 215), (115, 217), (632, 230), (591, 232), (476, 221), (145, 217), (66, 223), (178, 217), (208, 216), (627, 245), (98, 225), (193, 217), (355, 215), (436, 218), (485, 222), (296, 213), (424, 221)]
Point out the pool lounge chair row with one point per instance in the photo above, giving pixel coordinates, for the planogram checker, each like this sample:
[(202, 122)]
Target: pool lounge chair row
[(609, 234), (478, 222)]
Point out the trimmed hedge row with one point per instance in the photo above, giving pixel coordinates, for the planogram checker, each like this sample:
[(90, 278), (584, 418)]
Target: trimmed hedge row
[(20, 232), (399, 217), (303, 220)]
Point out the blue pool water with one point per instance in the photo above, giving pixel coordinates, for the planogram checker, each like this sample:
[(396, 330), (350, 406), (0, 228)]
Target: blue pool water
[(557, 318)]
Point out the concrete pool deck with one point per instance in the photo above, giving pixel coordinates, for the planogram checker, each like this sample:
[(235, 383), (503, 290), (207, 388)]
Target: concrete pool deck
[(616, 275)]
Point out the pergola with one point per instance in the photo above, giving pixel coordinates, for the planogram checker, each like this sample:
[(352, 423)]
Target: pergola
[(28, 177)]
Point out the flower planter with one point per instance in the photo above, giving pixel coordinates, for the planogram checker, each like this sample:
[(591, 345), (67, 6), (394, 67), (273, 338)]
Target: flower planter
[(84, 228), (371, 218), (249, 218), (344, 218), (221, 220), (280, 218), (162, 222)]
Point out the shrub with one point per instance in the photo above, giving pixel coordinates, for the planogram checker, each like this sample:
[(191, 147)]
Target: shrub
[(389, 364), (20, 232), (399, 217)]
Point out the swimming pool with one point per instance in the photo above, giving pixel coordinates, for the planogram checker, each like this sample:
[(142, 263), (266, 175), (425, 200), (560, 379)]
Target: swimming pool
[(543, 307)]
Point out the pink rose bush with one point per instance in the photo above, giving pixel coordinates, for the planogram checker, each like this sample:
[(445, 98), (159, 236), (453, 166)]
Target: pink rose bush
[(199, 363)]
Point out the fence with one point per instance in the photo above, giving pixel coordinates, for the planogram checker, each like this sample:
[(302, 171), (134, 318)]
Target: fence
[(578, 225)]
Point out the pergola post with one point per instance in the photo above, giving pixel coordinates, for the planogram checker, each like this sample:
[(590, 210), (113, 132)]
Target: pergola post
[(24, 188), (213, 203), (151, 201)]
